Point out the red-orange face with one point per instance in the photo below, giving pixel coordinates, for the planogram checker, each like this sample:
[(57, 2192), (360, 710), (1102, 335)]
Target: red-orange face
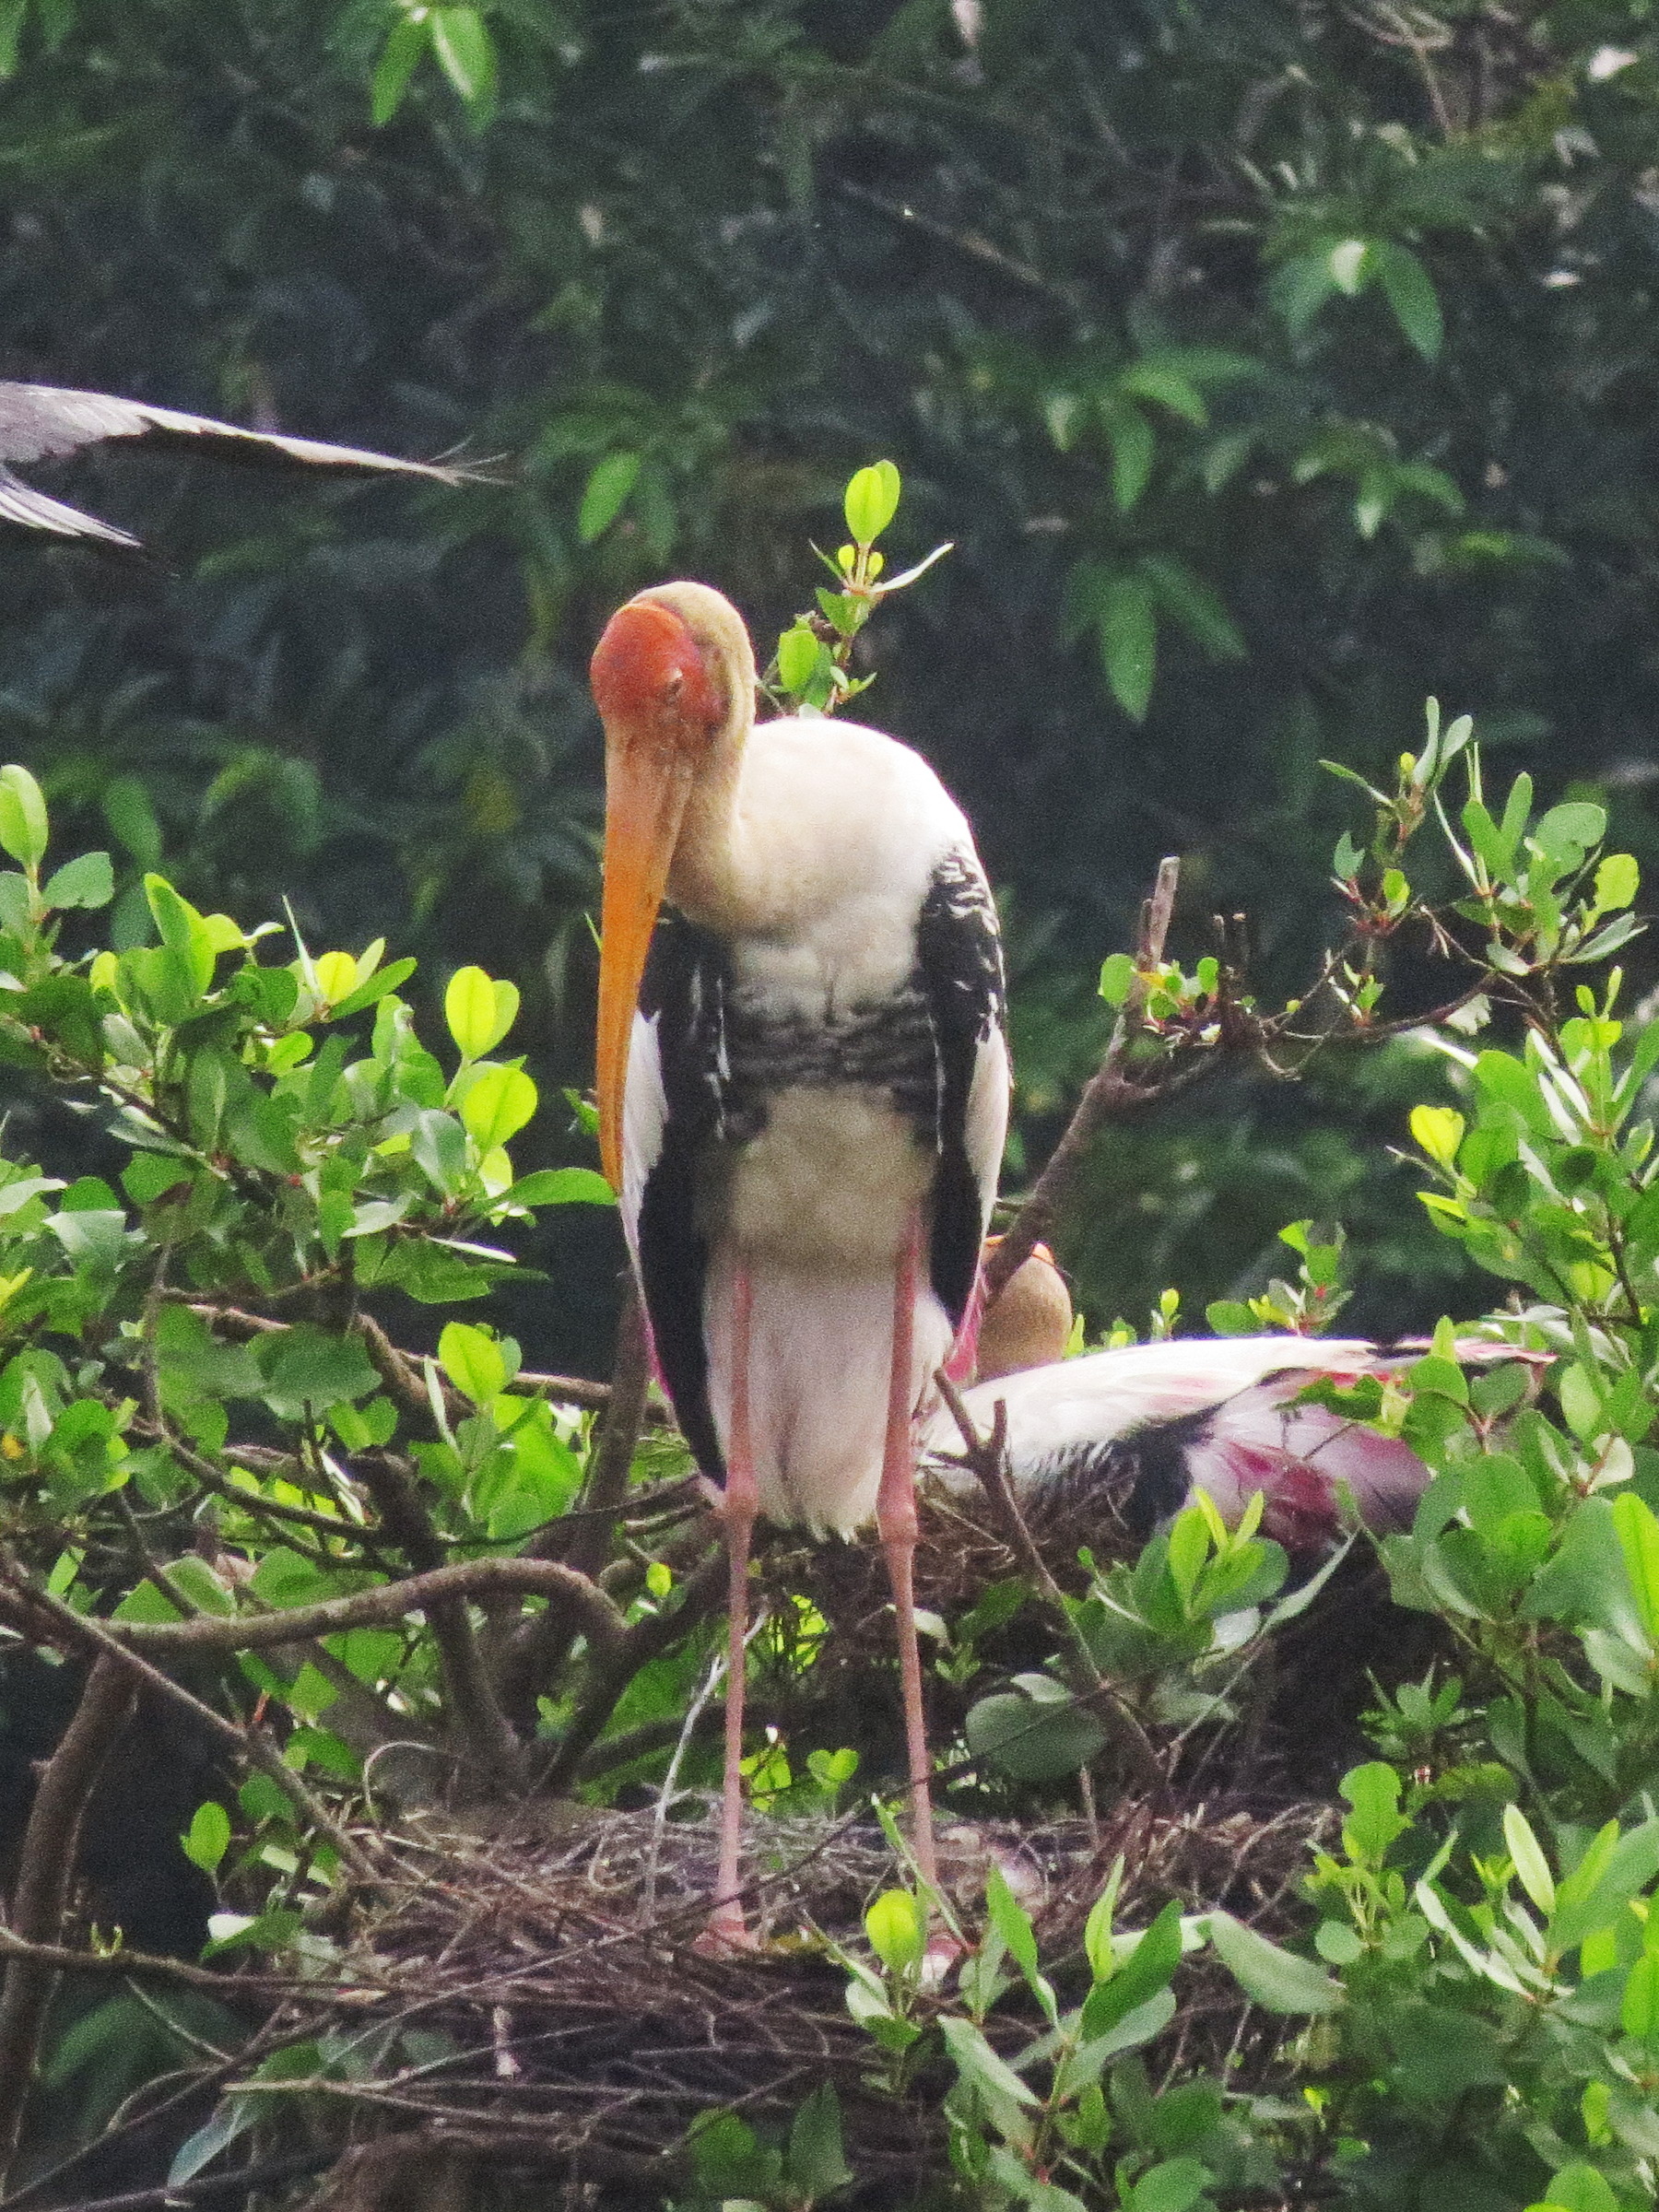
[(662, 699), (651, 680)]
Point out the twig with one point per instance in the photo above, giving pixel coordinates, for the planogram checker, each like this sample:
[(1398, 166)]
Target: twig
[(1109, 1095), (987, 1457), (45, 1866)]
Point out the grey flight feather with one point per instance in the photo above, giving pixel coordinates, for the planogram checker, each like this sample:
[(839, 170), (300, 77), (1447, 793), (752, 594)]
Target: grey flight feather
[(39, 422)]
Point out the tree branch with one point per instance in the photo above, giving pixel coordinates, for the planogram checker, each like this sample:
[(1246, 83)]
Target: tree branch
[(45, 1866)]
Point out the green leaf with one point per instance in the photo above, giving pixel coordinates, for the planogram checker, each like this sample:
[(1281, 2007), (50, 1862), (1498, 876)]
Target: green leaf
[(1531, 1864), (1350, 264), (978, 2063), (479, 1011), (897, 1932), (183, 932), (1410, 292), (1577, 2189), (1277, 1980), (872, 500), (209, 1836), (1172, 2186), (1638, 1530), (498, 1105), (1167, 388), (306, 1367), (1199, 610), (1117, 977), (1031, 1742), (466, 54), (603, 500), (1143, 1974), (563, 1186), (816, 2164), (473, 1361), (799, 650), (371, 989), (1617, 879), (406, 43), (87, 882), (23, 830), (1126, 627), (1134, 449)]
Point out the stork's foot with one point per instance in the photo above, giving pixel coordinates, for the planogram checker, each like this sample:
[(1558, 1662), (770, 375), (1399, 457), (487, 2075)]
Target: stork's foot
[(727, 1936)]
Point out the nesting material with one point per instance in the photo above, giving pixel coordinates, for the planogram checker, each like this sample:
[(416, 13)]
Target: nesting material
[(582, 2035)]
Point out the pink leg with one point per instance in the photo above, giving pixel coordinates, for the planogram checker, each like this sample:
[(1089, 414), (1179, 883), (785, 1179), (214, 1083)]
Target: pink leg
[(896, 1521), (726, 1930)]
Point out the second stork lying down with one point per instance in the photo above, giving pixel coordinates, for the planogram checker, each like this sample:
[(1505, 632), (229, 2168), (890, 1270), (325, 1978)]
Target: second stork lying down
[(1136, 1431), (1141, 1429), (803, 1088)]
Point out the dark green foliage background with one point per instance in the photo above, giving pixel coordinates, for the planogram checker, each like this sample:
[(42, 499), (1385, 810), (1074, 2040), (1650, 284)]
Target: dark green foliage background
[(754, 243)]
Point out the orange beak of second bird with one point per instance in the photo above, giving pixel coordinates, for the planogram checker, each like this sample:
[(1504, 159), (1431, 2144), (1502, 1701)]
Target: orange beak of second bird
[(660, 706)]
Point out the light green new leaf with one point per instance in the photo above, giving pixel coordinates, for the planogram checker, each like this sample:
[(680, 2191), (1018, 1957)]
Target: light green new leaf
[(479, 1011), (209, 1837), (872, 500), (22, 817), (497, 1106), (473, 1361), (897, 1932)]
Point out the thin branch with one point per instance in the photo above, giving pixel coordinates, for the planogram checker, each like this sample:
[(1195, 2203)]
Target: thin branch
[(612, 1672), (415, 1594), (476, 1713), (1108, 1096), (987, 1457), (46, 1864)]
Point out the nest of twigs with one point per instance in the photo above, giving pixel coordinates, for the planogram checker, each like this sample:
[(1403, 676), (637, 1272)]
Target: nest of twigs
[(549, 2018)]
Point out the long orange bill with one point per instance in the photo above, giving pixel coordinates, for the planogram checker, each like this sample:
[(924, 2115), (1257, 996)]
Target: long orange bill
[(645, 794)]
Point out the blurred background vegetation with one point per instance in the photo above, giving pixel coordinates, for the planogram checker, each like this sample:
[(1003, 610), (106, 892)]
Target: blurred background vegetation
[(1271, 363)]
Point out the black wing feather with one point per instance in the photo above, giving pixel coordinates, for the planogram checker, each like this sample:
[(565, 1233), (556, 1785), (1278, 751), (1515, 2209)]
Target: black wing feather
[(960, 973), (684, 991)]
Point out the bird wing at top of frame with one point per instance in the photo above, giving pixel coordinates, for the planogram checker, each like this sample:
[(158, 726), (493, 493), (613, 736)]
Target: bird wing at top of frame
[(40, 422)]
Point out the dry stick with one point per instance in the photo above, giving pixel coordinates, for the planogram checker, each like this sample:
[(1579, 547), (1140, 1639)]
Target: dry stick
[(1108, 1095), (41, 1895), (987, 1457), (27, 1599)]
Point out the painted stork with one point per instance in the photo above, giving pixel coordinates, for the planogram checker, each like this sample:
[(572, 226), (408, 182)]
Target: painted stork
[(1141, 1429), (803, 1086), (40, 422)]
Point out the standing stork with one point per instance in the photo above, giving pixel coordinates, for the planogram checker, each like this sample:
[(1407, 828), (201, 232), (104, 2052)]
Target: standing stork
[(803, 1085)]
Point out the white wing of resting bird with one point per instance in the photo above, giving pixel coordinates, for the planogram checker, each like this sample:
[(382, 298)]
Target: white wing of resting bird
[(40, 422), (1145, 1427)]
